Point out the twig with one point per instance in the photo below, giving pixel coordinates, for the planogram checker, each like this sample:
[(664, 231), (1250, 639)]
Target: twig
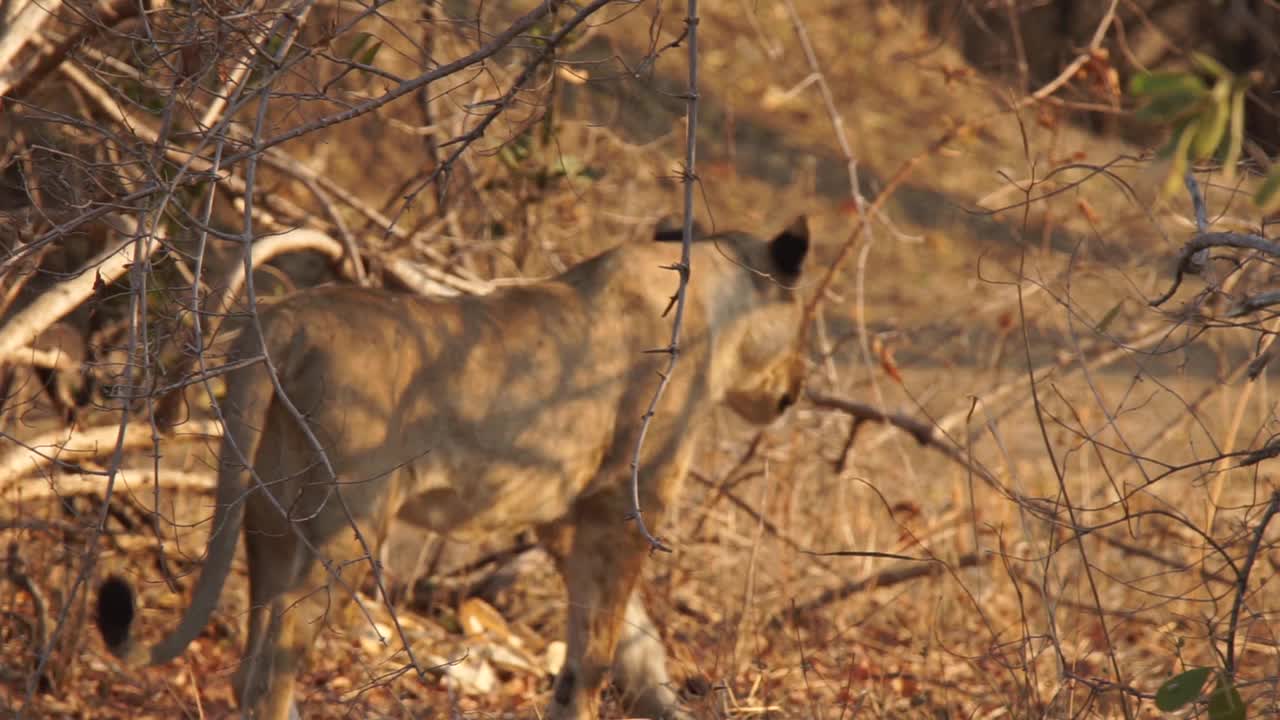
[(924, 433), (54, 359), (1060, 474), (885, 578), (67, 485), (146, 234), (921, 431), (965, 129), (749, 582), (499, 42), (498, 106), (16, 573), (1099, 355), (269, 247), (728, 481), (419, 278), (1242, 583), (1253, 303), (318, 182), (682, 269), (828, 98), (294, 21), (768, 526), (90, 444)]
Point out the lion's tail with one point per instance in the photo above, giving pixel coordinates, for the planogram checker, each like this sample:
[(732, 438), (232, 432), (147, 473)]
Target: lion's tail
[(249, 397)]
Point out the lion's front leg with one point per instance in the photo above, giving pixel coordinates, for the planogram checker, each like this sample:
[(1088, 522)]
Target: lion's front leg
[(639, 658), (604, 558), (640, 667)]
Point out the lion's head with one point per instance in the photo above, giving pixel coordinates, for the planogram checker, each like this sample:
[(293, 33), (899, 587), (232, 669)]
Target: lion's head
[(759, 364)]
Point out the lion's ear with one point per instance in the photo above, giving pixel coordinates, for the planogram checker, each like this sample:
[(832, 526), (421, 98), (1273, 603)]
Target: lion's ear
[(671, 229), (790, 246)]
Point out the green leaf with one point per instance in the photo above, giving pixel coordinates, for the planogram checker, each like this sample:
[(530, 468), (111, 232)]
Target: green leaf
[(357, 45), (1213, 122), (1225, 702), (1167, 108), (1180, 160), (1211, 66), (1235, 134), (1169, 96), (370, 54), (1166, 83), (1109, 316), (1268, 197), (1181, 689), (1166, 151)]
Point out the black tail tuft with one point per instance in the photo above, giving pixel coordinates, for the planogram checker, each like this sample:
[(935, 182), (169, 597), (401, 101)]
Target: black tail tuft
[(115, 611)]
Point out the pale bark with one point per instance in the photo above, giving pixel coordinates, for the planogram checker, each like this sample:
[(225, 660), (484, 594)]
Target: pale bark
[(21, 24), (73, 446)]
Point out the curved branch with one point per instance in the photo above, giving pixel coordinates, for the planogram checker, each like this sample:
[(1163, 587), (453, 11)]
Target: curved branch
[(267, 248), (1189, 261)]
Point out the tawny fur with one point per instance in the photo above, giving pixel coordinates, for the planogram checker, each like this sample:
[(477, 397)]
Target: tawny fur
[(478, 415)]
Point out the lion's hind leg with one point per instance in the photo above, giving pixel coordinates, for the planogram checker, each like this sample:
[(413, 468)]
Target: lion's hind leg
[(264, 682), (292, 598)]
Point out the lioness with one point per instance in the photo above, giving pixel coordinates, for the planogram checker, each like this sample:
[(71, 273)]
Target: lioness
[(480, 414)]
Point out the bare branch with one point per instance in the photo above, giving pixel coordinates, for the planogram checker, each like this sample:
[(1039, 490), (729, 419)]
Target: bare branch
[(682, 269), (498, 42), (924, 433)]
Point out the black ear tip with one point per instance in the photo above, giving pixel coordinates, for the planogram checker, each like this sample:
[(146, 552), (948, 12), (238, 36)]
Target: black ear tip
[(115, 610), (790, 247)]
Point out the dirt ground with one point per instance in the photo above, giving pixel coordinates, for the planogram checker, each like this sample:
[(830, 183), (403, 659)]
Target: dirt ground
[(1064, 544)]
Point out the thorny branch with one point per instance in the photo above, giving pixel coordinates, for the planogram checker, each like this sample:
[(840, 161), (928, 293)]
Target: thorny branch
[(682, 269)]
